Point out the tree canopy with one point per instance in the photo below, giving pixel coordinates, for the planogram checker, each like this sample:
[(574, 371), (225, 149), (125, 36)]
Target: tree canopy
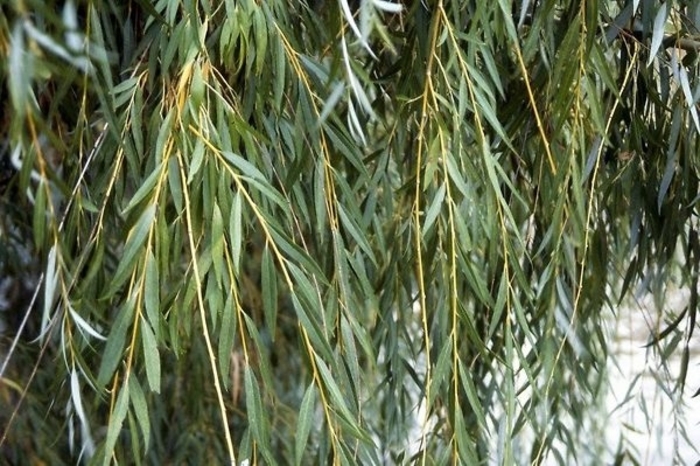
[(343, 232)]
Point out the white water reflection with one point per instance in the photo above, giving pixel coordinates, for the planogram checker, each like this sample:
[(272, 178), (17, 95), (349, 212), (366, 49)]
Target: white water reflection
[(641, 406), (641, 413)]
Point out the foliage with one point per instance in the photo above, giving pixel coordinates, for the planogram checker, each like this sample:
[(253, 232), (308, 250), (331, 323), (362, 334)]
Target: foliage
[(336, 232)]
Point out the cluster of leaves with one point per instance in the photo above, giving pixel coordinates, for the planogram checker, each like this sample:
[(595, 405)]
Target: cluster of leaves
[(348, 232)]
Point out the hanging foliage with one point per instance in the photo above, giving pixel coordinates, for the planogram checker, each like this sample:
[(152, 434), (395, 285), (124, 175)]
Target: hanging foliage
[(376, 232)]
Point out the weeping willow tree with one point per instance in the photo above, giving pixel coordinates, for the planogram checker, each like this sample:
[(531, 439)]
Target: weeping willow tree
[(337, 232)]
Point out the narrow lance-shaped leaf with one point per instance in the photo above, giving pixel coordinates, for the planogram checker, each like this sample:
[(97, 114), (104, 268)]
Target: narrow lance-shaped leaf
[(658, 32), (151, 356), (269, 291), (305, 421), (115, 422), (140, 406), (134, 242), (116, 340)]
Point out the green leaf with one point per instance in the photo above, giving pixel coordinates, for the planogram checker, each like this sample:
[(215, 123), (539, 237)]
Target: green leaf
[(39, 225), (164, 133), (356, 232), (465, 377), (685, 86), (83, 325), (20, 72), (151, 356), (435, 208), (465, 445), (151, 296), (140, 407), (124, 91), (441, 370), (77, 400), (144, 191), (279, 72), (148, 6), (112, 355), (175, 184), (669, 171), (227, 334), (137, 129), (197, 89), (254, 408), (260, 31), (658, 32), (134, 241), (236, 230), (196, 161), (269, 291), (304, 422), (217, 242), (116, 420), (245, 166), (336, 395), (50, 288)]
